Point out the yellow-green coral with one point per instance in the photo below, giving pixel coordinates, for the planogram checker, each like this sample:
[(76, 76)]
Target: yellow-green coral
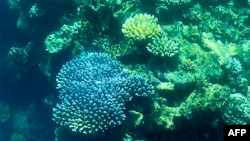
[(187, 64), (164, 115), (216, 46), (137, 117), (141, 27), (165, 86), (212, 97), (55, 44)]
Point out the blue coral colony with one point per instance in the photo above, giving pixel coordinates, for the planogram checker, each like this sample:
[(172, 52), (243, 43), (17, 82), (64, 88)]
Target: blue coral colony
[(130, 70), (93, 92)]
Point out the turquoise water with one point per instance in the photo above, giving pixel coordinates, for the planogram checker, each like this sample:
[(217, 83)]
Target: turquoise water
[(123, 70)]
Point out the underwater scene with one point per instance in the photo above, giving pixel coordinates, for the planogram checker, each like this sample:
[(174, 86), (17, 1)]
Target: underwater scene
[(123, 70)]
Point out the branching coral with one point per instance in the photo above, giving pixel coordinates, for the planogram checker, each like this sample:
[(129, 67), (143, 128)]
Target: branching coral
[(93, 92), (237, 109), (163, 46), (233, 65), (141, 27)]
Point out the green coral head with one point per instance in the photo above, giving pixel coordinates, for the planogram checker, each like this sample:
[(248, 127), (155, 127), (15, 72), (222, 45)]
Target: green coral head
[(163, 46)]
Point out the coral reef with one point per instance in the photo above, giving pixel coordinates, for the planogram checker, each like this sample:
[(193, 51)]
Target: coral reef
[(237, 110), (141, 27), (233, 65), (115, 49), (195, 62), (136, 117), (163, 46), (166, 6), (18, 56), (61, 39), (212, 98), (93, 91)]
